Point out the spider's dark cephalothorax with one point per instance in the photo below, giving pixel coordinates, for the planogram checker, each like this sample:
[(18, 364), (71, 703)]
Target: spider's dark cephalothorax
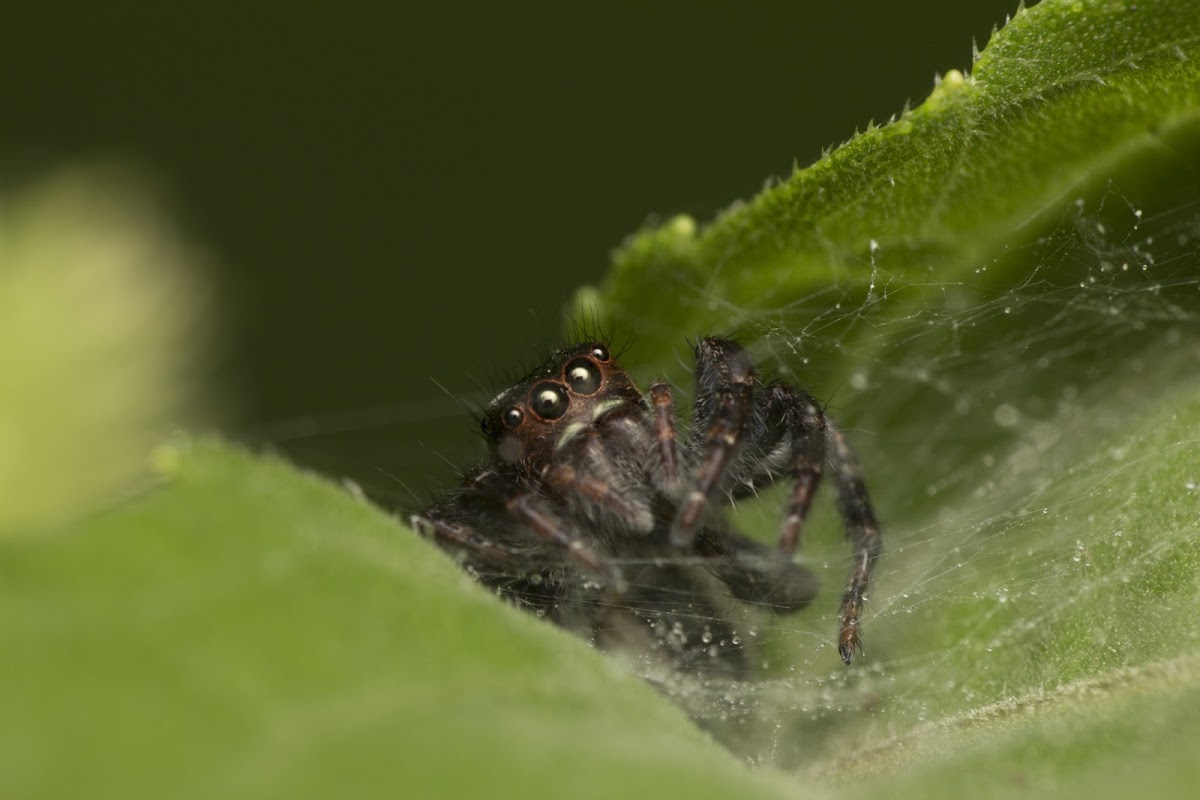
[(594, 512)]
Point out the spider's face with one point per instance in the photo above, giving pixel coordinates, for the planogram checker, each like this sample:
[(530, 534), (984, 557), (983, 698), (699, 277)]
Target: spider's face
[(561, 399)]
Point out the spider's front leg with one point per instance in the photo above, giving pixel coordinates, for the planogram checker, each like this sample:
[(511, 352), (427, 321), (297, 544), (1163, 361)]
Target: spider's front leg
[(811, 440), (725, 380), (787, 441), (784, 439), (789, 434)]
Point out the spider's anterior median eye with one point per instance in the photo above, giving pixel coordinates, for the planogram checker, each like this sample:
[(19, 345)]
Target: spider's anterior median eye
[(549, 400), (513, 417), (600, 352), (582, 376)]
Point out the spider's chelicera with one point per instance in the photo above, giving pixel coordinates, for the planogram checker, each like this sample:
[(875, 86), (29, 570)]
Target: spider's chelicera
[(593, 508)]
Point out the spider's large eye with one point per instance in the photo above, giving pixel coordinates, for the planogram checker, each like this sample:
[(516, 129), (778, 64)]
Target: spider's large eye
[(549, 400), (582, 376), (600, 352)]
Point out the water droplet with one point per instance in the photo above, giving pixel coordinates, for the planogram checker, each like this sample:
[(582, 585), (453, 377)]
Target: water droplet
[(1006, 416), (1081, 553)]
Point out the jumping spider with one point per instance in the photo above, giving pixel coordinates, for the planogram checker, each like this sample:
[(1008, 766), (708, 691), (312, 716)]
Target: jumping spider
[(592, 508)]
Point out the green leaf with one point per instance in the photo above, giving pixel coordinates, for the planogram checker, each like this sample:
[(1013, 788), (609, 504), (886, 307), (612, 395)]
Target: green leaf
[(247, 630), (998, 293), (1066, 98)]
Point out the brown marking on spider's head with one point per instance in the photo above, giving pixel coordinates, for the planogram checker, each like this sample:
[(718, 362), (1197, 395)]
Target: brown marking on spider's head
[(563, 397)]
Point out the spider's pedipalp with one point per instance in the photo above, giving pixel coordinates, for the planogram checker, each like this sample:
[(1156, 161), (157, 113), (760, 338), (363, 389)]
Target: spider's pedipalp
[(523, 507), (601, 495)]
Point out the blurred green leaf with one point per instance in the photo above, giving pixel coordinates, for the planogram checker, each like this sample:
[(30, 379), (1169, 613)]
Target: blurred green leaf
[(251, 631)]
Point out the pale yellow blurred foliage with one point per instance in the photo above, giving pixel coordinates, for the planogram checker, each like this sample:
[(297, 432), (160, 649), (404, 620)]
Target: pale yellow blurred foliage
[(100, 342)]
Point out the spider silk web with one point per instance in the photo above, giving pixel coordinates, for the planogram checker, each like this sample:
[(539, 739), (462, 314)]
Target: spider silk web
[(1015, 423)]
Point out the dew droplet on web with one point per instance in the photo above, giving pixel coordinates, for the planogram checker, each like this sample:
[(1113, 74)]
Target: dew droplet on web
[(1006, 416)]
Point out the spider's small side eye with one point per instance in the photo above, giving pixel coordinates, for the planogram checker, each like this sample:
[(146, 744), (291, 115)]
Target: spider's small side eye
[(600, 352), (549, 400), (582, 376), (513, 417)]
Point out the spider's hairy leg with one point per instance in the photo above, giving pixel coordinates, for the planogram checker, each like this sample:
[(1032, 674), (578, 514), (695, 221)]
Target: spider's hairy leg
[(666, 475), (786, 438), (724, 391), (457, 537), (523, 507), (862, 529), (803, 423)]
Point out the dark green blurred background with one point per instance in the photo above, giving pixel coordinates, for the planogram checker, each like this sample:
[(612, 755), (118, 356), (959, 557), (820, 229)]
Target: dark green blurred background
[(395, 194)]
